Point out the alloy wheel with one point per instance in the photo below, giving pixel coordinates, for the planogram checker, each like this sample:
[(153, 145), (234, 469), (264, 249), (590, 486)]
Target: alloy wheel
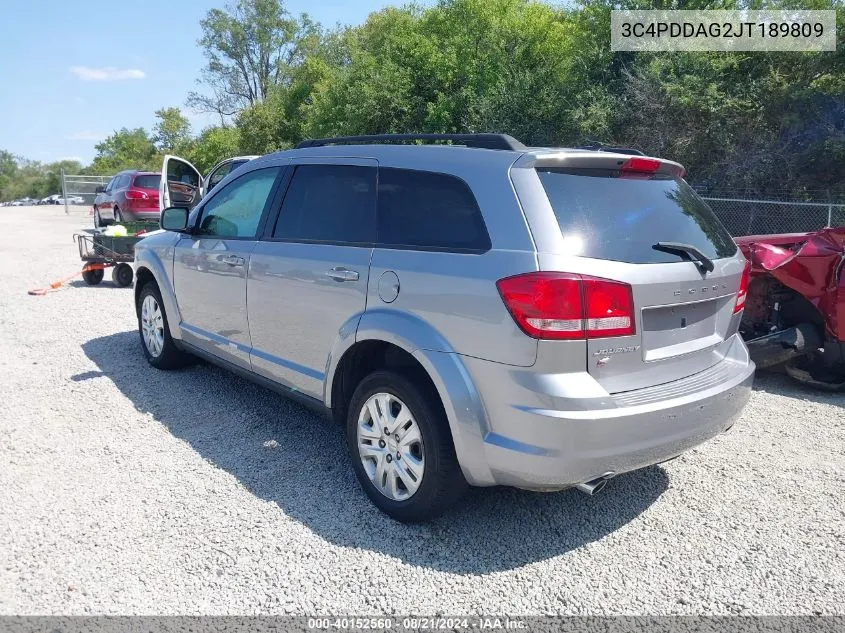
[(152, 326)]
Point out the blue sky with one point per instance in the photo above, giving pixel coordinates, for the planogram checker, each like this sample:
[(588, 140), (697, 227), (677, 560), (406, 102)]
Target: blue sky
[(73, 72)]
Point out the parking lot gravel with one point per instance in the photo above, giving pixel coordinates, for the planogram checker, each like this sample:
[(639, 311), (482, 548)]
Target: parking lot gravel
[(126, 490)]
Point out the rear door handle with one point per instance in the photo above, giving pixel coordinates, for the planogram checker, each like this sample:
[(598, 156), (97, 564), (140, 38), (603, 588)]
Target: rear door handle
[(234, 260), (339, 273)]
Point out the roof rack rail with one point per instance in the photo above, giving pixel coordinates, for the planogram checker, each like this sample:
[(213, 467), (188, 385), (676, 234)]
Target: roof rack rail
[(601, 147), (481, 141)]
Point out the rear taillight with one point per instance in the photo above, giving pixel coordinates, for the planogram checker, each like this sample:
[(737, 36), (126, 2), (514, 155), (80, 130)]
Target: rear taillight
[(552, 305), (743, 288), (136, 194), (608, 308)]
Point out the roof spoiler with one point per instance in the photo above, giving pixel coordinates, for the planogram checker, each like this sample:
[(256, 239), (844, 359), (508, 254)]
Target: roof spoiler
[(601, 147)]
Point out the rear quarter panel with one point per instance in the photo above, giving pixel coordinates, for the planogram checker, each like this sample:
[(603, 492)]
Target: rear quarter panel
[(454, 293)]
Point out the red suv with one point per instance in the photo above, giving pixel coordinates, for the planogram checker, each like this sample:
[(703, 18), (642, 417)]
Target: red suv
[(129, 196)]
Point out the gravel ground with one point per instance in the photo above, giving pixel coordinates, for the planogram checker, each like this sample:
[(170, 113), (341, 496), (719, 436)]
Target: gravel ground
[(125, 490)]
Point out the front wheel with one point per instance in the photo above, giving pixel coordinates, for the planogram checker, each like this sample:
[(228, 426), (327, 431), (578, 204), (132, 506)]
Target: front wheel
[(159, 349), (401, 449)]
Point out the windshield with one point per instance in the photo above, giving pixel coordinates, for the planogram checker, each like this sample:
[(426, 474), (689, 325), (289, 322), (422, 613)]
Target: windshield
[(605, 216)]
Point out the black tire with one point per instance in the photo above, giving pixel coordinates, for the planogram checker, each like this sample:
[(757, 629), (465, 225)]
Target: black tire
[(122, 275), (118, 219), (92, 276), (170, 357), (442, 482), (98, 222)]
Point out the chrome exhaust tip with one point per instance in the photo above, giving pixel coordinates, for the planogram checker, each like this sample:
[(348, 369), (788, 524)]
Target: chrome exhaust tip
[(594, 486)]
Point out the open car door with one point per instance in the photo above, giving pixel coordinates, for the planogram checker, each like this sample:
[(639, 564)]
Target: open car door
[(181, 184)]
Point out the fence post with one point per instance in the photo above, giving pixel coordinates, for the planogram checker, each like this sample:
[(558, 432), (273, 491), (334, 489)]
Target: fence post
[(64, 192), (829, 215)]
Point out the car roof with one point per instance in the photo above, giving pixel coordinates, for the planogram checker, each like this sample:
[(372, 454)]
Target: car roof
[(429, 156)]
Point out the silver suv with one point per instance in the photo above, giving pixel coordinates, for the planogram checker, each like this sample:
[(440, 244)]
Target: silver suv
[(476, 312)]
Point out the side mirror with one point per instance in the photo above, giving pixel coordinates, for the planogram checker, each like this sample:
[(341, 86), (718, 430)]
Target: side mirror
[(174, 219), (100, 189)]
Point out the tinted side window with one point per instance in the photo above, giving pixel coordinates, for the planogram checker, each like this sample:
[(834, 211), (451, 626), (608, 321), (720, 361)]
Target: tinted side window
[(236, 209), (428, 210), (329, 203), (123, 181), (219, 174)]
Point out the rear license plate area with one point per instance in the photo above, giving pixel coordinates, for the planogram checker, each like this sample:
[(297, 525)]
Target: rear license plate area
[(680, 328)]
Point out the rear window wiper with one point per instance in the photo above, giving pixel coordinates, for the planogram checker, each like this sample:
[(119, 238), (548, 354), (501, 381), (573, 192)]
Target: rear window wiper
[(704, 263)]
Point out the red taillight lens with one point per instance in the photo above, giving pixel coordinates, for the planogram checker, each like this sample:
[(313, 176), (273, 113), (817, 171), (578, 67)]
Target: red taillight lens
[(743, 288), (545, 305), (640, 165), (609, 308), (552, 305), (135, 194)]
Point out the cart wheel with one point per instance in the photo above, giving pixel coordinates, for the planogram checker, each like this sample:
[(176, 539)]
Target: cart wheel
[(92, 276), (122, 275)]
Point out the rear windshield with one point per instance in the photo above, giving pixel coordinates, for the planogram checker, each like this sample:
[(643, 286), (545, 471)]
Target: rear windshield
[(147, 182), (605, 216)]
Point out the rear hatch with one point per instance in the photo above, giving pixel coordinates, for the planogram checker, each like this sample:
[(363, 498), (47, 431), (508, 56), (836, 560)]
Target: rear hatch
[(635, 220), (146, 186)]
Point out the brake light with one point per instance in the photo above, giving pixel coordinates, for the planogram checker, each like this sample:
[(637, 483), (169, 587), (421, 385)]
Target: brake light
[(554, 305), (742, 293), (640, 165), (135, 194)]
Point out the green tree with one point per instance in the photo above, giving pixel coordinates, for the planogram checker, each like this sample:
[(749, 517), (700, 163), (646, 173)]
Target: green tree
[(283, 118), (8, 170), (460, 66), (172, 131), (125, 149), (251, 46), (213, 145)]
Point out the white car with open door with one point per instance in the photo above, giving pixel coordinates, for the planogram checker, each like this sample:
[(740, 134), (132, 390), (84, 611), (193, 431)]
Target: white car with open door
[(183, 185)]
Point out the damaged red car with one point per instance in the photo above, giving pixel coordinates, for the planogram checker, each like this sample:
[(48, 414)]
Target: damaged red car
[(795, 306)]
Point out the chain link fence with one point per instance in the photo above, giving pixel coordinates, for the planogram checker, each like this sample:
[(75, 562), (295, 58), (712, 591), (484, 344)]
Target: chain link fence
[(764, 217), (749, 216), (81, 190)]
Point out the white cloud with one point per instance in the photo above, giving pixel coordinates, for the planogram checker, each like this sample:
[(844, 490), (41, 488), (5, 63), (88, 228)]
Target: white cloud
[(109, 73), (85, 135)]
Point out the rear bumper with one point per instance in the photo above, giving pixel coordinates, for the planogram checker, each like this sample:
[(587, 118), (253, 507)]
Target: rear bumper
[(141, 214), (541, 440)]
